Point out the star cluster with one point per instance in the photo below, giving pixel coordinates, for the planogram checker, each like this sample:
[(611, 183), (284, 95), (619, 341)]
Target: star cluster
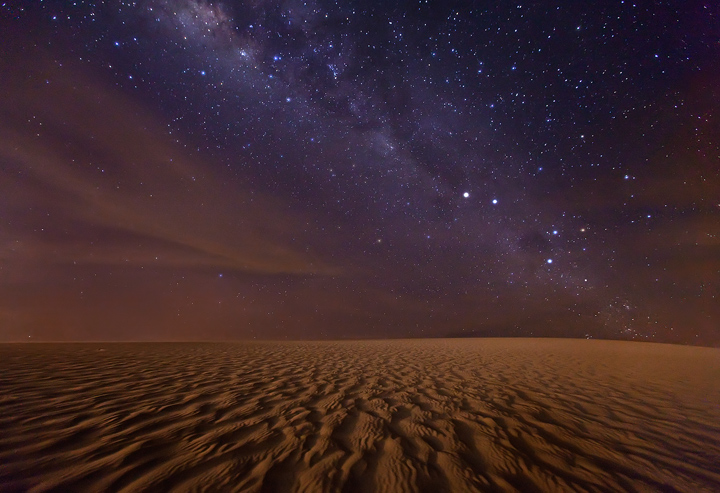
[(197, 169)]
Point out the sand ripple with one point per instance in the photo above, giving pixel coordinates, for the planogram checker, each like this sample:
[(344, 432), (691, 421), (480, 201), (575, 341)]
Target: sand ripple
[(423, 415)]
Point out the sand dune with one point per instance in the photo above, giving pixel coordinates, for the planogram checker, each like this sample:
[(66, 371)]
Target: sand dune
[(414, 415)]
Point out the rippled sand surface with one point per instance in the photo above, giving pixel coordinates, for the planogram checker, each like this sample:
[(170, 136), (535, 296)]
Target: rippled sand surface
[(412, 415)]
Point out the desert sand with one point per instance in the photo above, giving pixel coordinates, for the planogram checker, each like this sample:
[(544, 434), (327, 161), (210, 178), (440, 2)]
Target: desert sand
[(407, 415)]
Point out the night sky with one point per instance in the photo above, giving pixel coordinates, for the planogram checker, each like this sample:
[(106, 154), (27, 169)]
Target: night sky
[(314, 169)]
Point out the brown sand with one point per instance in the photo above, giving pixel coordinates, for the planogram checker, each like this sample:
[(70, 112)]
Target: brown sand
[(413, 415)]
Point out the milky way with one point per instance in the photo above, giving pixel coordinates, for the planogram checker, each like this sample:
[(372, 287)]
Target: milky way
[(203, 170)]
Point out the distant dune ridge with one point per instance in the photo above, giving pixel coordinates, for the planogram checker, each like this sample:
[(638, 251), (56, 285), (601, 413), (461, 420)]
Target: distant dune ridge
[(406, 415)]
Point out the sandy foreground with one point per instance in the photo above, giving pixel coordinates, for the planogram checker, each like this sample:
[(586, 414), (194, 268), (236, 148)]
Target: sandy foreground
[(410, 415)]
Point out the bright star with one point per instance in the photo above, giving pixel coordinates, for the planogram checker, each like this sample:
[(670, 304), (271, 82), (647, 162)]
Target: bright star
[(466, 195)]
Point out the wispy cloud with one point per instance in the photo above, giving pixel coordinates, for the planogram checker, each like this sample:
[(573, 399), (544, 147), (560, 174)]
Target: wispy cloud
[(102, 168)]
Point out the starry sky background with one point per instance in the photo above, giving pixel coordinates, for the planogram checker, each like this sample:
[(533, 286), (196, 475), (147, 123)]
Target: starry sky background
[(314, 169)]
